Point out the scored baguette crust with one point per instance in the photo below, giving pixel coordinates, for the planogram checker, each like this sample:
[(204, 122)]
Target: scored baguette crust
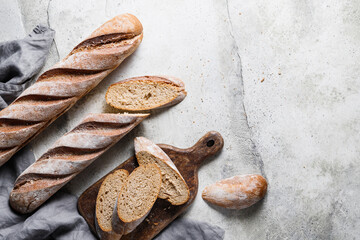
[(181, 94), (237, 192), (71, 154), (59, 88), (144, 145)]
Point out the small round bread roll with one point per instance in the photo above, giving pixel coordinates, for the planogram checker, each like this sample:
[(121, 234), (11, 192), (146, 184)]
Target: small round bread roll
[(237, 192)]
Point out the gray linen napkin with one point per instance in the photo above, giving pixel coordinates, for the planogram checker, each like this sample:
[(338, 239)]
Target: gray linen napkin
[(58, 218), (20, 60), (186, 229)]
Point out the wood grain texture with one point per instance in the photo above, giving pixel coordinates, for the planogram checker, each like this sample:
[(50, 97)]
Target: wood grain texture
[(187, 161)]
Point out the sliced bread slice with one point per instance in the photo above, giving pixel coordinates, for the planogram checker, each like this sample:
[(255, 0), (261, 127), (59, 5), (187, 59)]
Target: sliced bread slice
[(105, 203), (145, 93), (173, 188), (136, 198)]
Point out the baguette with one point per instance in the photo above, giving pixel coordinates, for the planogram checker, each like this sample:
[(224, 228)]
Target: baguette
[(105, 203), (237, 192), (71, 154), (136, 198), (173, 188), (59, 88), (145, 93)]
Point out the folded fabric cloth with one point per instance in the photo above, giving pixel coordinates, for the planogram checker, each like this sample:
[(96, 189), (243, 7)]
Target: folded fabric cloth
[(20, 61), (58, 218), (186, 229)]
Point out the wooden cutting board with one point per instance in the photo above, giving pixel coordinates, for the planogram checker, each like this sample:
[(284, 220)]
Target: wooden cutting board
[(187, 161)]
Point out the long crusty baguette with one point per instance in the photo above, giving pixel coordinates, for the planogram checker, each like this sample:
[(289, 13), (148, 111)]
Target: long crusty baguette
[(237, 192), (72, 153), (59, 88)]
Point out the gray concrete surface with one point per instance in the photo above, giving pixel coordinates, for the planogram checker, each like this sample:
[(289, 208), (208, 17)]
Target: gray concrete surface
[(278, 79)]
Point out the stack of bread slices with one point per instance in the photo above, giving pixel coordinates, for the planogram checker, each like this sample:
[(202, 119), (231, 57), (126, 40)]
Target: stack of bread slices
[(124, 200)]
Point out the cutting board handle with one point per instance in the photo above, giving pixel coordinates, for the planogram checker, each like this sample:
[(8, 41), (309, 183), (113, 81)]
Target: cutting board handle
[(211, 143)]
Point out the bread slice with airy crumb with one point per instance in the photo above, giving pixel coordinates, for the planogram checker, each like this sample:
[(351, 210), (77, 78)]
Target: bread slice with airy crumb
[(136, 198), (105, 203), (173, 188), (145, 93)]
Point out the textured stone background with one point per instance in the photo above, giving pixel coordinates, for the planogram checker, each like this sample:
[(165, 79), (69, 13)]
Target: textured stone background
[(279, 75)]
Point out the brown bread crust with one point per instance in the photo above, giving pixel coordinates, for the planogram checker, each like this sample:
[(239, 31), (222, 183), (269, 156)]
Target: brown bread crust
[(143, 144), (59, 88), (237, 192), (71, 154)]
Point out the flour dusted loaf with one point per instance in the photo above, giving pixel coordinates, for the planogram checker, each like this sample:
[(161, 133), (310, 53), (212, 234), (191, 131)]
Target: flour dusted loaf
[(173, 188), (105, 203), (145, 93), (136, 198), (72, 153), (58, 89), (237, 192)]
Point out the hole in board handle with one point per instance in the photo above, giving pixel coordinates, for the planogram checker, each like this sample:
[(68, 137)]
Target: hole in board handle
[(210, 143)]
